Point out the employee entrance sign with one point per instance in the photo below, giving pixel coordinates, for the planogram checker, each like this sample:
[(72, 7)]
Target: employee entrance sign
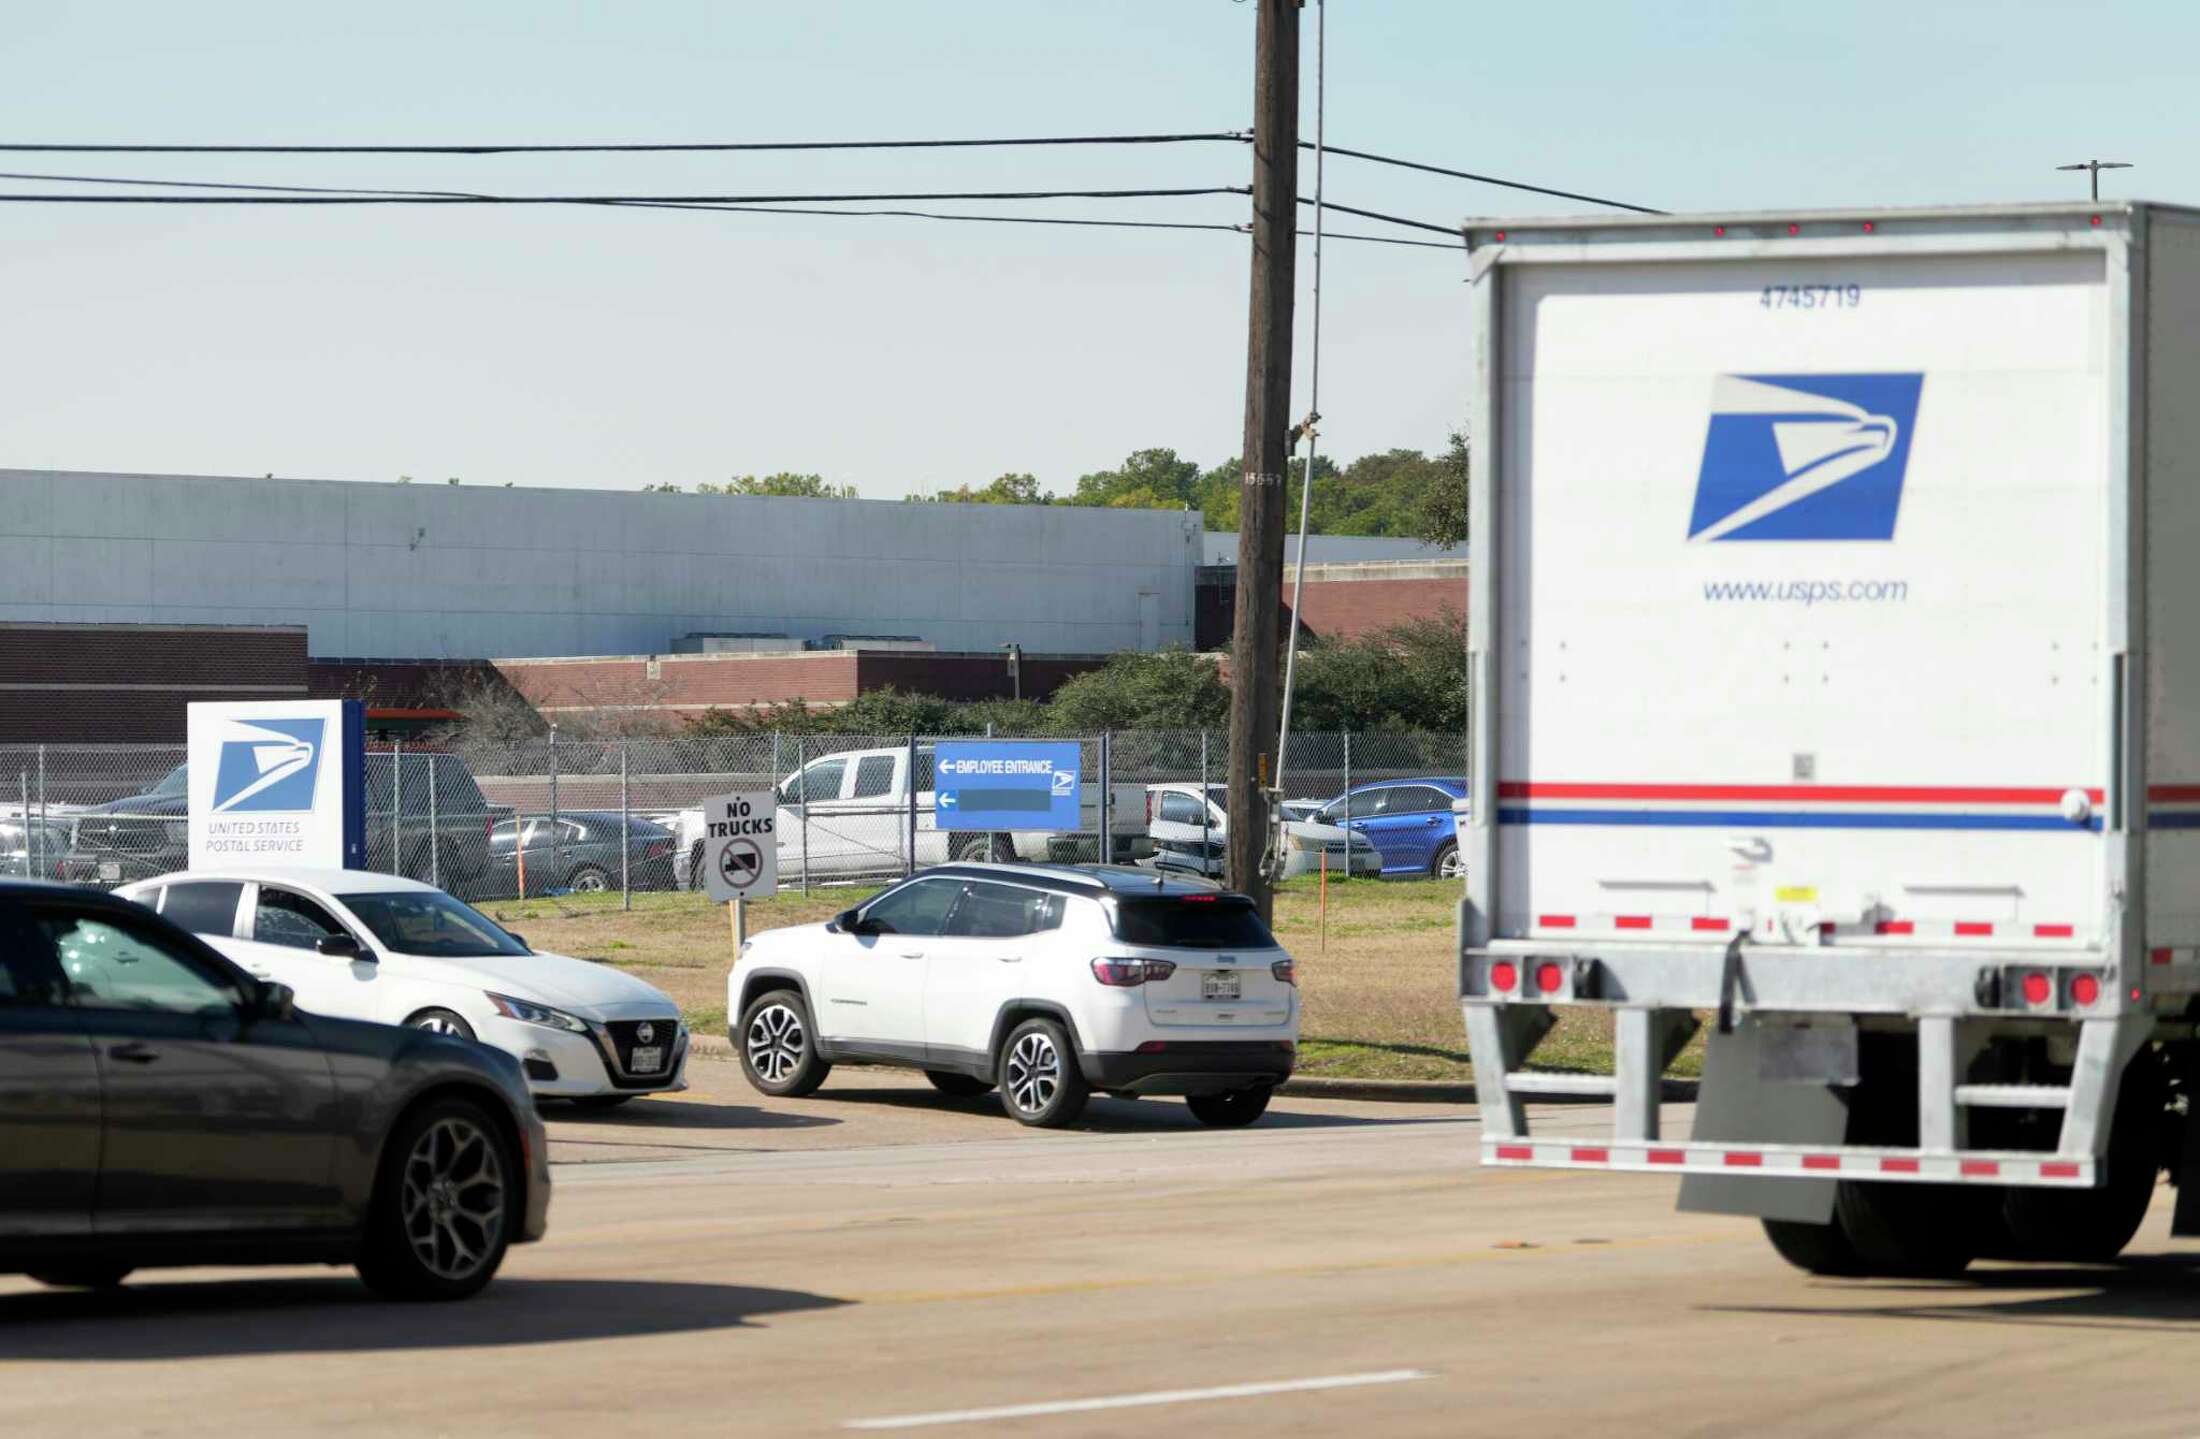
[(1007, 785), (741, 845)]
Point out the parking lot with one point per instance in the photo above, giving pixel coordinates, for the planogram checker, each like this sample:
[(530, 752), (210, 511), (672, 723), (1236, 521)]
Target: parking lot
[(723, 1263)]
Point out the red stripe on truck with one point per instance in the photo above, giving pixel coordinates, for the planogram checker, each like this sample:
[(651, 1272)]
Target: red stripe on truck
[(1824, 793)]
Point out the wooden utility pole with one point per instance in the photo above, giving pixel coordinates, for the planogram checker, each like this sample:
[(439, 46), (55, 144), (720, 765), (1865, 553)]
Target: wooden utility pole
[(1254, 681)]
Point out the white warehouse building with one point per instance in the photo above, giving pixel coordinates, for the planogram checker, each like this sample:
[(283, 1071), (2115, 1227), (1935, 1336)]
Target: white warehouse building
[(464, 572)]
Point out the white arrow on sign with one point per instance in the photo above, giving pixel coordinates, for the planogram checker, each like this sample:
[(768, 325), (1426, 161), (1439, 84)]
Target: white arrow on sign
[(945, 799)]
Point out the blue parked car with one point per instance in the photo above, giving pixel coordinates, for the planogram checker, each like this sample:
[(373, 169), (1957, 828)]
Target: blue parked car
[(1408, 821)]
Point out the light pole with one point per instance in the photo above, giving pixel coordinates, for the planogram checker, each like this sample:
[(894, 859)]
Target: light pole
[(1015, 670), (2093, 168)]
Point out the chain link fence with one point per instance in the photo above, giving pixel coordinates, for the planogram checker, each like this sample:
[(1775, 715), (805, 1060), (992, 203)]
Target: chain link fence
[(550, 816)]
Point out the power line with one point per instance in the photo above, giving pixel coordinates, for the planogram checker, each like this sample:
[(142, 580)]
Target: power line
[(1379, 215), (734, 146), (232, 185), (1484, 179), (1019, 220), (432, 197), (364, 194)]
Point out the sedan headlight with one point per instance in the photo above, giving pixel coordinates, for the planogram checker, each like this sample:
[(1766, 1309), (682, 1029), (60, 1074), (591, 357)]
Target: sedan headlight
[(526, 1011), (1300, 844)]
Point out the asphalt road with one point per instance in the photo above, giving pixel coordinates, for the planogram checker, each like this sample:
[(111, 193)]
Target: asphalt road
[(876, 1257)]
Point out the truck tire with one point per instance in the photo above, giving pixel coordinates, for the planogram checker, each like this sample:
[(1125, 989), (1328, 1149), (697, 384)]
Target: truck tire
[(2092, 1226), (1913, 1231), (985, 849), (1898, 1228), (1815, 1248)]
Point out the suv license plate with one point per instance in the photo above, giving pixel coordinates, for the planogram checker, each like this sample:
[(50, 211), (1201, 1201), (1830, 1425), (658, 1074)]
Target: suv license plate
[(1218, 984), (647, 1061), (110, 869)]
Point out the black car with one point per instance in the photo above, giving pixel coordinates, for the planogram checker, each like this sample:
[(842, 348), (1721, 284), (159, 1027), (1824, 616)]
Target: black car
[(160, 1107), (426, 820), (577, 850)]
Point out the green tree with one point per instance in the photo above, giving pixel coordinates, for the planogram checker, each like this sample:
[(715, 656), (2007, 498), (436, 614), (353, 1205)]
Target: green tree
[(1412, 676), (1171, 689), (1148, 479), (1443, 513), (805, 487), (1006, 490)]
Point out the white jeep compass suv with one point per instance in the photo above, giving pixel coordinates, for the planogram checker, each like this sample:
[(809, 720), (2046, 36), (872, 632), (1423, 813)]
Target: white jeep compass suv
[(1048, 981)]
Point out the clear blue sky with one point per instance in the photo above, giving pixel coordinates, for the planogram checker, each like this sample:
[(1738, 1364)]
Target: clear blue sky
[(564, 347)]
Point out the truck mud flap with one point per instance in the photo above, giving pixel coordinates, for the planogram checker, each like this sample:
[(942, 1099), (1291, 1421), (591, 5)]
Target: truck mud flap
[(1735, 1106)]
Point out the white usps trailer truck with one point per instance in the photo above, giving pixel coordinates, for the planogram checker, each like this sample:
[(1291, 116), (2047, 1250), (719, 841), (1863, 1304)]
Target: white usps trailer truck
[(1835, 650)]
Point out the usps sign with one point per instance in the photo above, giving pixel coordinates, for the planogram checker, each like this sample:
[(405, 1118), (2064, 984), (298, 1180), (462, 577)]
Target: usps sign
[(279, 782)]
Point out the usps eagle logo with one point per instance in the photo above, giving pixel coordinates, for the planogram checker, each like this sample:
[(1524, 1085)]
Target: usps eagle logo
[(268, 765), (1805, 457)]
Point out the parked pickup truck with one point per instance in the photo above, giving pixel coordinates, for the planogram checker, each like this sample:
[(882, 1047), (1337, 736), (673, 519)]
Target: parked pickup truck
[(847, 816), (146, 835), (1833, 672)]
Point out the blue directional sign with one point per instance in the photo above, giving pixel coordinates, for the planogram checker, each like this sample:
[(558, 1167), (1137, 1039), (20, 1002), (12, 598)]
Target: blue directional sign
[(1007, 785)]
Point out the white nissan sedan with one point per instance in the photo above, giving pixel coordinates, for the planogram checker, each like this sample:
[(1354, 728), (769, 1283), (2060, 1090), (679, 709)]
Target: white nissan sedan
[(358, 945)]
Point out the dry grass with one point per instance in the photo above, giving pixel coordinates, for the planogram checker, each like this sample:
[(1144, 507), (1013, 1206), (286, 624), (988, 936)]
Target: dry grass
[(1380, 990)]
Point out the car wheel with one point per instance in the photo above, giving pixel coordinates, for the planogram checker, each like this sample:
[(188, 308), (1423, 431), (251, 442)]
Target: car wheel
[(588, 880), (1232, 1109), (601, 1101), (442, 1214), (778, 1050), (957, 1086), (88, 1276), (1039, 1078), (1447, 864), (441, 1021)]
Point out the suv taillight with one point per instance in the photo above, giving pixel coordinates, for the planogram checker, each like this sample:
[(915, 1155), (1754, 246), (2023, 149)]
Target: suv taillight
[(1285, 970), (1128, 973)]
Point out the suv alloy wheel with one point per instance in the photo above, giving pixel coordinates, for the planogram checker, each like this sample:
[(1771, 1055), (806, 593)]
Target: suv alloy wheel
[(1039, 1078)]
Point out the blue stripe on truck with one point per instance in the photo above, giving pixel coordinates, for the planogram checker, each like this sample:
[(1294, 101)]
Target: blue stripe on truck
[(1763, 819)]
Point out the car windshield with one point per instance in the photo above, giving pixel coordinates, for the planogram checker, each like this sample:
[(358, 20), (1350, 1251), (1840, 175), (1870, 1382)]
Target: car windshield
[(431, 924), (173, 782), (1199, 921)]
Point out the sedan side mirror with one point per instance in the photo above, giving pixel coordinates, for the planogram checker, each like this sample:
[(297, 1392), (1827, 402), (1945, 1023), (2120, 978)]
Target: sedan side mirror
[(275, 1003), (341, 946)]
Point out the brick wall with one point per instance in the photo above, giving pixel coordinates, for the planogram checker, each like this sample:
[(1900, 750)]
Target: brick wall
[(129, 684), (687, 685), (1341, 601)]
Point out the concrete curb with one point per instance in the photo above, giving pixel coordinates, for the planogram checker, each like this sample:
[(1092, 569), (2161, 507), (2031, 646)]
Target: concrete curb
[(1310, 1086), (1443, 1091)]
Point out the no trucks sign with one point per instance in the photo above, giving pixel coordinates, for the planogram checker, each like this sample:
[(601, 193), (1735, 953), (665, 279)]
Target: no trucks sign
[(741, 845)]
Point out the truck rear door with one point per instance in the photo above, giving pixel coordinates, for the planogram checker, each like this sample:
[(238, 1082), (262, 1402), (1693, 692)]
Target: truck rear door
[(1801, 570)]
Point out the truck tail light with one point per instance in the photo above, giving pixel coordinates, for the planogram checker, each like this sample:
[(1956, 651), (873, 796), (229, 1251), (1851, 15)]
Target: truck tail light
[(2038, 989), (1549, 977), (1504, 977), (1130, 973), (2085, 990)]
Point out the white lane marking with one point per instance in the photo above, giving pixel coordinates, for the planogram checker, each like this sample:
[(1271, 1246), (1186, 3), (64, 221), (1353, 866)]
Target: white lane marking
[(1135, 1401)]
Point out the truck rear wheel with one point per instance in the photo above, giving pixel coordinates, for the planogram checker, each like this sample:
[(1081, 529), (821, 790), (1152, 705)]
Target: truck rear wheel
[(1815, 1248), (1915, 1231), (2092, 1226)]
